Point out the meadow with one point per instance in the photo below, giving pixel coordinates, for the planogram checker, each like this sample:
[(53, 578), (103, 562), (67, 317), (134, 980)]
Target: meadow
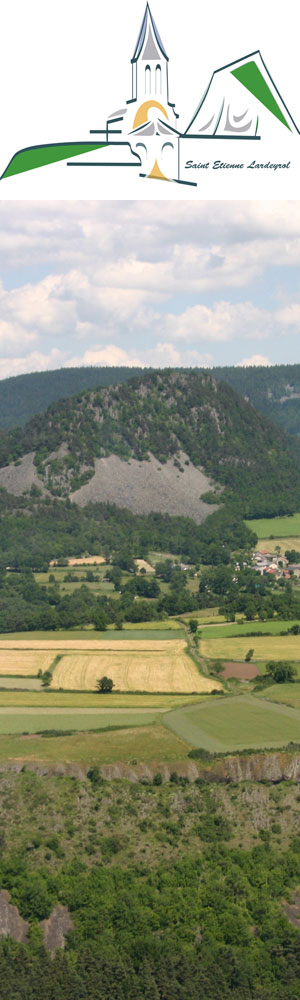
[(148, 743), (274, 647), (231, 629), (235, 723), (277, 527), (286, 694), (35, 720)]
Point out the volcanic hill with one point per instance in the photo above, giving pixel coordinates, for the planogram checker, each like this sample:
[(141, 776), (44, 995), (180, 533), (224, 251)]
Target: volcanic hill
[(171, 441)]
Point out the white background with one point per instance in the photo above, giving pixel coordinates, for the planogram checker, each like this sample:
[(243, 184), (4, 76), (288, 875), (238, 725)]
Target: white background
[(65, 65)]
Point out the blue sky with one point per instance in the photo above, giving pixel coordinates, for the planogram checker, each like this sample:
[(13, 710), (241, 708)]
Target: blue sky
[(148, 283)]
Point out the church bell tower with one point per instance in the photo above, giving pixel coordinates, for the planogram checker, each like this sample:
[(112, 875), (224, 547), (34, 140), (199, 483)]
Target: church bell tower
[(150, 64)]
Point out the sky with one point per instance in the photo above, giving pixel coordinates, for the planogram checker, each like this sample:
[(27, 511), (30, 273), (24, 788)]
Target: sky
[(148, 283)]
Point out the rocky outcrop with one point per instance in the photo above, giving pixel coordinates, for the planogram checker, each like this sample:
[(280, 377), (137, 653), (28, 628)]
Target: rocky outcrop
[(11, 923), (274, 766), (56, 928)]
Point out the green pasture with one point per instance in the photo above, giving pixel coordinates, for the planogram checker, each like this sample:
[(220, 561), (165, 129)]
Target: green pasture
[(277, 527), (149, 743), (274, 627), (237, 723), (34, 720), (286, 694), (136, 632)]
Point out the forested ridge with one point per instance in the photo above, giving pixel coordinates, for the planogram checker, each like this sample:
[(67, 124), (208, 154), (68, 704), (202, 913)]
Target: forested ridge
[(202, 918), (272, 389), (164, 414)]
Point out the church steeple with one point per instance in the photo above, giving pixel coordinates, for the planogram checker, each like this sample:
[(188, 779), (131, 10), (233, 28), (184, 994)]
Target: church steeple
[(149, 63), (154, 48)]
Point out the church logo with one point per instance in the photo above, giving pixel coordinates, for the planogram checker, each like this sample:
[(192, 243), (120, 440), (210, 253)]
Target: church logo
[(240, 111)]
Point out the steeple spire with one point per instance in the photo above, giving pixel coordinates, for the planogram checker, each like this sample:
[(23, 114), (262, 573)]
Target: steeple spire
[(154, 48)]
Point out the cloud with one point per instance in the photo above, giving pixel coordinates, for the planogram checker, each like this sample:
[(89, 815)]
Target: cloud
[(146, 282), (257, 360), (224, 321)]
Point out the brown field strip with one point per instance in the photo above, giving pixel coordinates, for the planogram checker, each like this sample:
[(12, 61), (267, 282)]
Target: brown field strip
[(24, 663), (133, 670)]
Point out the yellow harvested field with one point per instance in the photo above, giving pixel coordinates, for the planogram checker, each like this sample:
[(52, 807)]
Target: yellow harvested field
[(133, 670), (266, 647), (22, 663), (143, 564), (116, 645)]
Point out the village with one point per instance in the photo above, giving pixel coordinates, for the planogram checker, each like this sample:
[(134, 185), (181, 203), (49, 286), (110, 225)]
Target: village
[(275, 564)]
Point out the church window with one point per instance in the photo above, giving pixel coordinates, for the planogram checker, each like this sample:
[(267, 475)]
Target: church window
[(147, 80), (158, 80)]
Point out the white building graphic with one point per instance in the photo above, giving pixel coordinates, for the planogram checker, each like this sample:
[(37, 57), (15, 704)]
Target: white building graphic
[(240, 102), (149, 119), (241, 125)]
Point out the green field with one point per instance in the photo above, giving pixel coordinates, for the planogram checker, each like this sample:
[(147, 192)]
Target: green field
[(149, 743), (34, 720), (138, 632), (232, 629), (235, 724), (278, 527), (286, 694)]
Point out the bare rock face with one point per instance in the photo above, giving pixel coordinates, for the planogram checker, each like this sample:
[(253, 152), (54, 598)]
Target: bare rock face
[(11, 924), (56, 928)]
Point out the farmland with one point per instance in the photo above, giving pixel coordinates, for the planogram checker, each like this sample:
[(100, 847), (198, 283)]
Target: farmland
[(284, 647), (167, 669), (24, 662), (147, 743), (286, 694), (35, 720), (155, 665), (236, 723), (273, 627), (277, 527)]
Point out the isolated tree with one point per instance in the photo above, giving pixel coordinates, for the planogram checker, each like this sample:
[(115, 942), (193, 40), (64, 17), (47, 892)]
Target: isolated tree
[(281, 671), (104, 685), (218, 667), (249, 655), (193, 625)]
